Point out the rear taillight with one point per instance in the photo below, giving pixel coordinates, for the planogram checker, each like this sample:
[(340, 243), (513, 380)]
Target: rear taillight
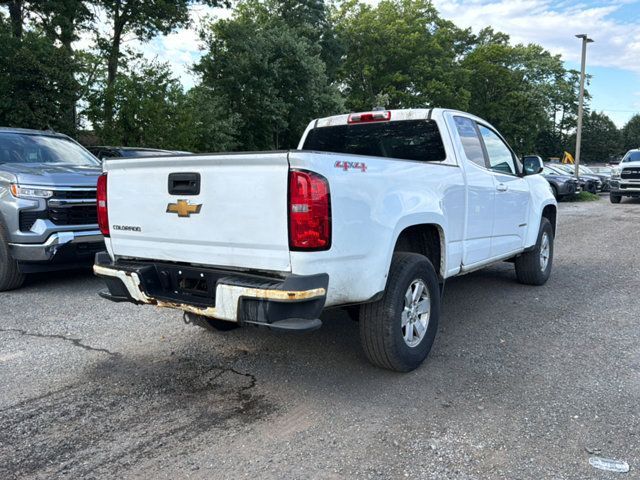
[(368, 117), (309, 211), (103, 214)]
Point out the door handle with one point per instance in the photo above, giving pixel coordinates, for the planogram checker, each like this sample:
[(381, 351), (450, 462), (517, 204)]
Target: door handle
[(501, 187)]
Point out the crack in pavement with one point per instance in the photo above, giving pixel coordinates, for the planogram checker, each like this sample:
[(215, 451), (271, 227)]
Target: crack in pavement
[(75, 341)]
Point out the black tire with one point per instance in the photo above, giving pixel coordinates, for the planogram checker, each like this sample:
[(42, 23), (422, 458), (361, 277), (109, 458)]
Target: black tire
[(10, 276), (210, 324), (353, 311), (615, 198), (528, 265), (381, 322), (591, 188)]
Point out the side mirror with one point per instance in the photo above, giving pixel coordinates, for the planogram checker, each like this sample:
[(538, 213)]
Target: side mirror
[(532, 164)]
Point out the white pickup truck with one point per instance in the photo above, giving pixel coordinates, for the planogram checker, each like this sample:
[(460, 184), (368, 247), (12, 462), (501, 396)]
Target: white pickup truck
[(373, 212)]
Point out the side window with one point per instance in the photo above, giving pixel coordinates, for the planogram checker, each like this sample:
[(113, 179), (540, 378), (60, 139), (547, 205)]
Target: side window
[(470, 140), (500, 156)]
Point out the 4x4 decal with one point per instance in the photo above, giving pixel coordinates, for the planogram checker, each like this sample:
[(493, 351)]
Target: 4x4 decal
[(351, 165)]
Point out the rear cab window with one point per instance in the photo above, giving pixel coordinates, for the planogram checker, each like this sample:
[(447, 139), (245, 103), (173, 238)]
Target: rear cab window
[(416, 140)]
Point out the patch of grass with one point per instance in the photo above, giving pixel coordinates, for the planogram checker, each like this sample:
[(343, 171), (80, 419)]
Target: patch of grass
[(584, 197)]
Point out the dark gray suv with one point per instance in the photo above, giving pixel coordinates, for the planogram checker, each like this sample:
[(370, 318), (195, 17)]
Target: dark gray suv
[(48, 218)]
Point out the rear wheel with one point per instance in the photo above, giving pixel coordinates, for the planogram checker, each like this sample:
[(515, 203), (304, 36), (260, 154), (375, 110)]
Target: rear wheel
[(397, 331), (534, 267), (615, 198), (10, 276)]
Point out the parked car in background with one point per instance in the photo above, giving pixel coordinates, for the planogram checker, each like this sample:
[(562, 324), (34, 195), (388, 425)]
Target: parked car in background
[(602, 170), (587, 184), (48, 218), (571, 170), (103, 152), (625, 179), (602, 180), (562, 186)]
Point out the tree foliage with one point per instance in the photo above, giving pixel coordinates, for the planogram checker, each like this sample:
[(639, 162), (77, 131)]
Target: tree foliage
[(402, 51), (276, 64), (631, 133), (520, 89), (600, 138), (36, 87), (269, 73)]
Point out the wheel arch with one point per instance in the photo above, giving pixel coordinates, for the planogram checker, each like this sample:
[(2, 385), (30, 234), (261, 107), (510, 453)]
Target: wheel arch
[(550, 212), (423, 237)]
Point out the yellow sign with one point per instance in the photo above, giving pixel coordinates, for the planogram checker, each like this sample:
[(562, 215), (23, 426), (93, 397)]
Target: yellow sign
[(183, 208), (568, 158)]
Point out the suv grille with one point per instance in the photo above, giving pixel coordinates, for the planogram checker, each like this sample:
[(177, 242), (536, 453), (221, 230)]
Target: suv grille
[(82, 215), (630, 173), (74, 194), (61, 214)]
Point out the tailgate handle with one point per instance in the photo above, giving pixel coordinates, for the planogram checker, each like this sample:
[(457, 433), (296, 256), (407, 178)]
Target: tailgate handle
[(184, 183)]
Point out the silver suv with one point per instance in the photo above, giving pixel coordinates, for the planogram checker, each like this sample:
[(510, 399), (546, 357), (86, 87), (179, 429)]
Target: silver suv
[(47, 204)]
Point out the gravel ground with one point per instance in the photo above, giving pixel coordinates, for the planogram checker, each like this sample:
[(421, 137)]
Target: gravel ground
[(522, 382)]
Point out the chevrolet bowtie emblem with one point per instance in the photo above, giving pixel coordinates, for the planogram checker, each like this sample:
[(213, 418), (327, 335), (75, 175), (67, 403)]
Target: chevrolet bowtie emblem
[(183, 208)]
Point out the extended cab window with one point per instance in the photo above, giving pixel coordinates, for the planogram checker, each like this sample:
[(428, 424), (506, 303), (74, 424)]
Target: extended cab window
[(407, 140), (500, 156), (470, 140)]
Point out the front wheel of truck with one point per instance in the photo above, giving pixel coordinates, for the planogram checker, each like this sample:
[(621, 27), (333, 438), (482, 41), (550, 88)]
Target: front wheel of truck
[(397, 331), (534, 267), (10, 276)]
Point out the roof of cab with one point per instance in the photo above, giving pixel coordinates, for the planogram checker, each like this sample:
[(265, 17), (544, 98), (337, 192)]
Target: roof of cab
[(396, 114)]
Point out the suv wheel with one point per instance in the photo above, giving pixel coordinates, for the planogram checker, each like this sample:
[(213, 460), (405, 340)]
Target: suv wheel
[(397, 331), (615, 198), (10, 276), (534, 267)]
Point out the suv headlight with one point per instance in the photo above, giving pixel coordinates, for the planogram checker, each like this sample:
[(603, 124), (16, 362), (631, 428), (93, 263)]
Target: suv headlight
[(615, 173), (30, 192)]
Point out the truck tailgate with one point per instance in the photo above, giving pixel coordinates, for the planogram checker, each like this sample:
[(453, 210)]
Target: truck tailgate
[(242, 218)]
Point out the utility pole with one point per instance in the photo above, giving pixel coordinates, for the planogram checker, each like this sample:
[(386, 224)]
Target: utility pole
[(585, 40)]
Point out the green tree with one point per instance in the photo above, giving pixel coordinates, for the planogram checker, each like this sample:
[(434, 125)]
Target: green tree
[(143, 19), (16, 15), (404, 51), (204, 124), (35, 84), (268, 73), (151, 110), (519, 89), (600, 138), (631, 134)]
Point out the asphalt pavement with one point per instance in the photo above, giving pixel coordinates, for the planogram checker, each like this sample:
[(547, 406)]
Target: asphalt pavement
[(522, 382)]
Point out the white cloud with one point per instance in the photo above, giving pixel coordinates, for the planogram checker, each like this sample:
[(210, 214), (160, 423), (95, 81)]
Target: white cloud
[(553, 25)]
